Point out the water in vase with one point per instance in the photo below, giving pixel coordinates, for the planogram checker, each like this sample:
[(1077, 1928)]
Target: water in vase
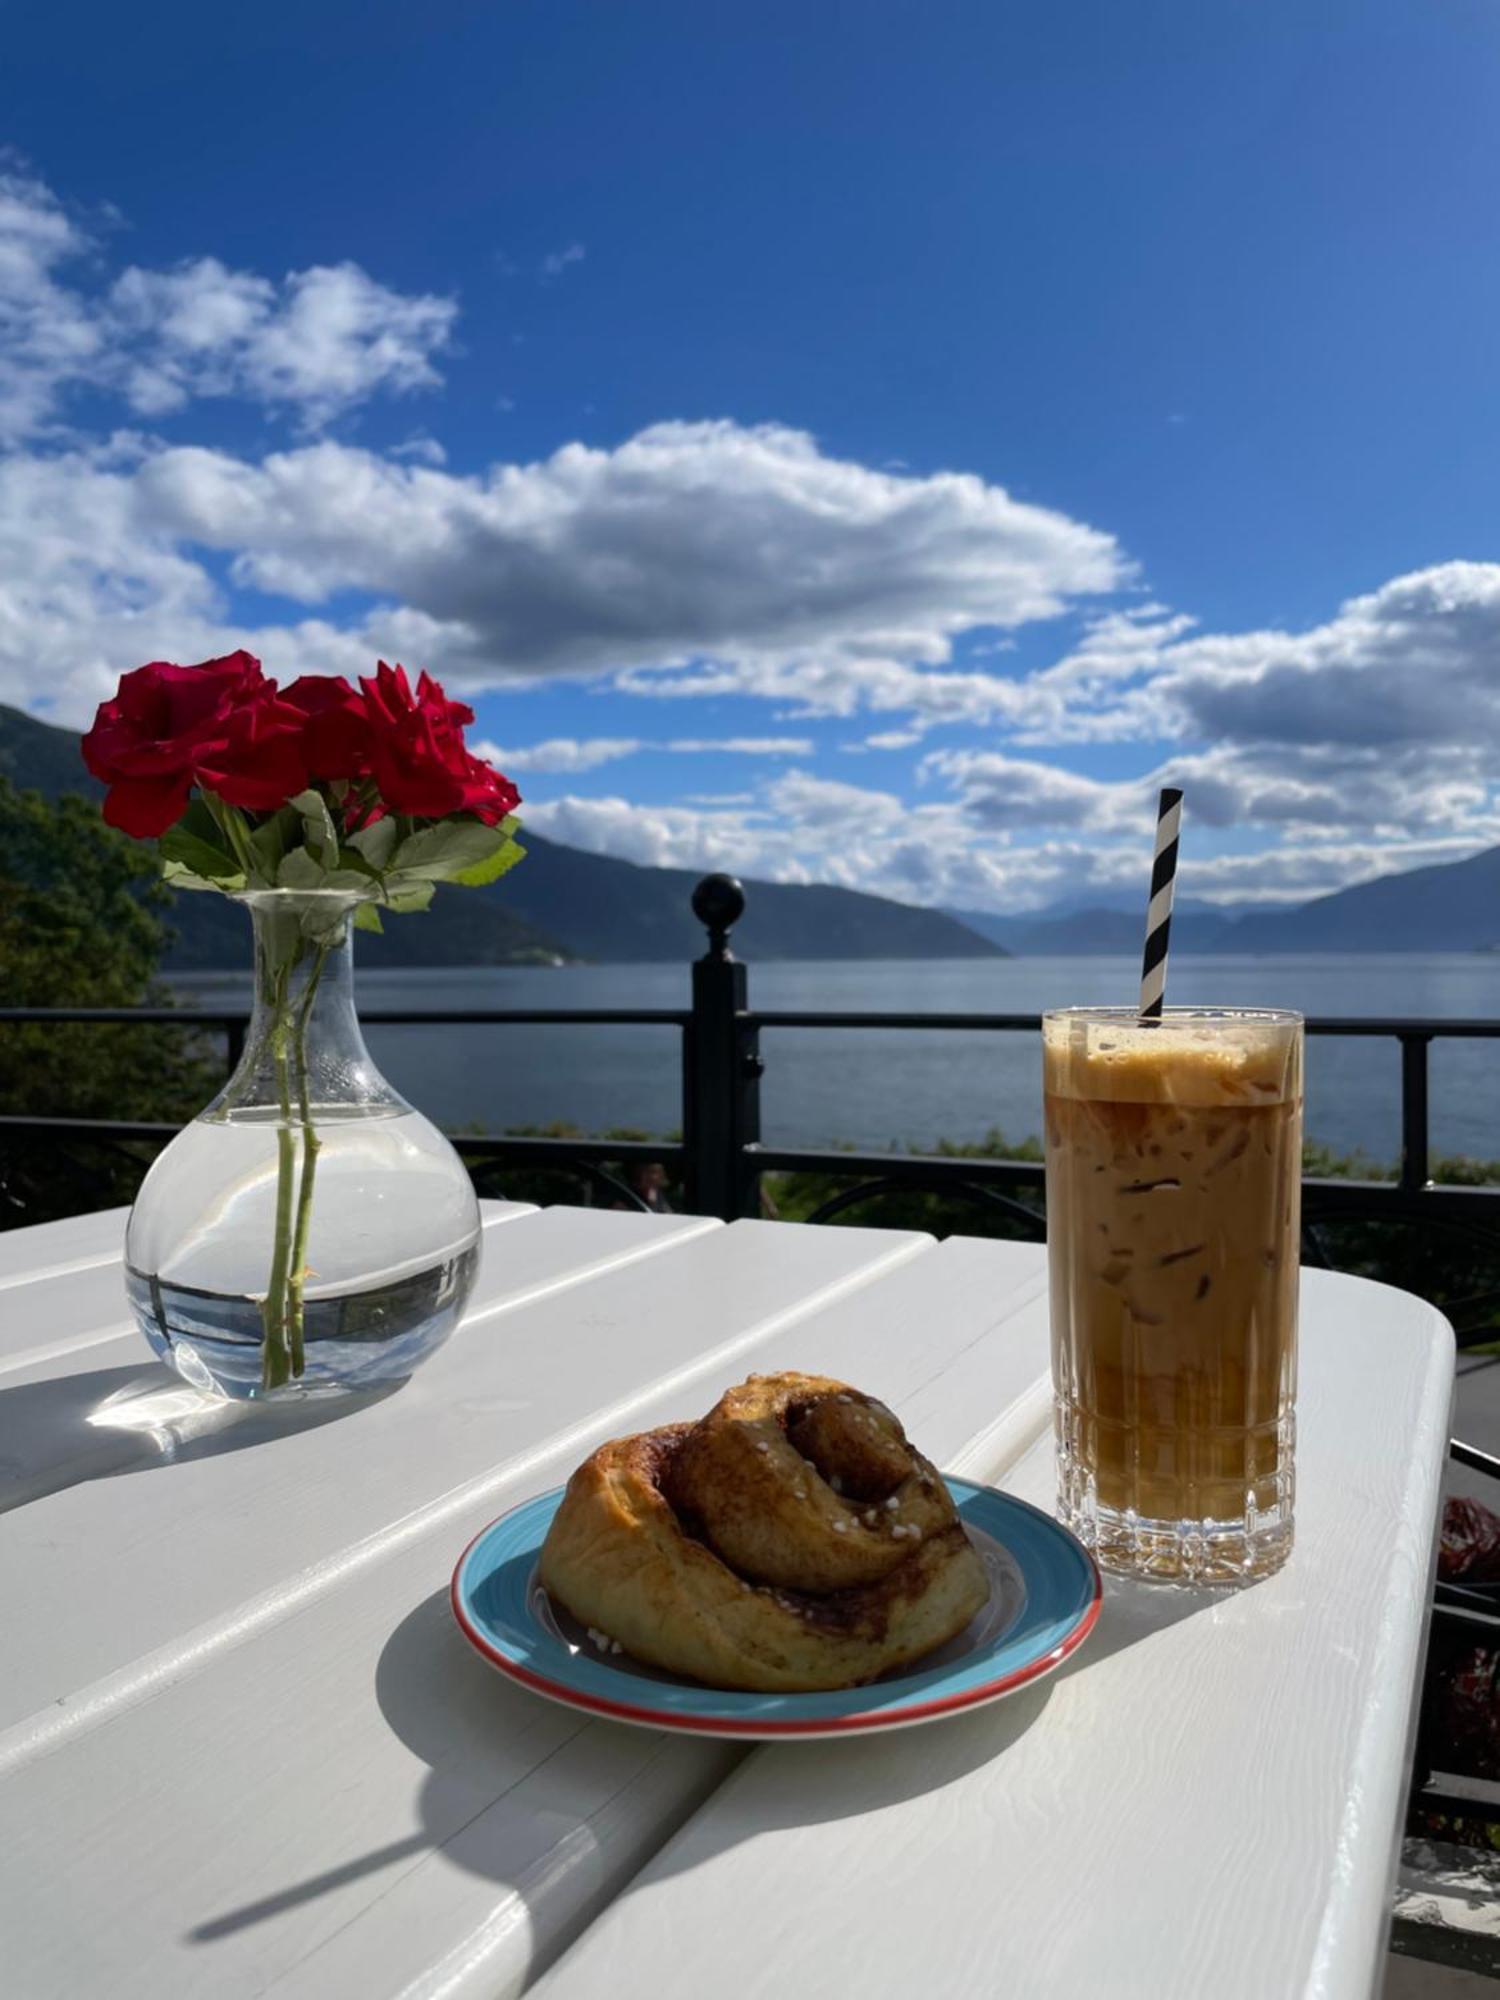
[(391, 1252)]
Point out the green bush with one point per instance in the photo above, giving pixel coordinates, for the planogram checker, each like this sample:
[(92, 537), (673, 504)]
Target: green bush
[(80, 926)]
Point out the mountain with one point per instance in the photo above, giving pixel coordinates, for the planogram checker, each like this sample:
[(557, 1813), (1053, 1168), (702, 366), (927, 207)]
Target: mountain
[(40, 757), (560, 903), (563, 902), (609, 909), (459, 929), (1077, 931), (1453, 906)]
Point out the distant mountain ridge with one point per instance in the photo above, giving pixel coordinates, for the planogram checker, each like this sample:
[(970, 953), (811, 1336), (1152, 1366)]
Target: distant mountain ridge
[(566, 903), (617, 910), (560, 903), (1084, 930), (1450, 906)]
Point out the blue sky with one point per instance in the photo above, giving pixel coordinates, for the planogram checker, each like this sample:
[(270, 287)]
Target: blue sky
[(866, 442)]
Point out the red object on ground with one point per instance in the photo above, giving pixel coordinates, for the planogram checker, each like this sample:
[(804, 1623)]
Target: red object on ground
[(1470, 1548)]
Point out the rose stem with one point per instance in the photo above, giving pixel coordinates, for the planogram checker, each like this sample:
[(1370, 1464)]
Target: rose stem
[(275, 1361), (312, 1145)]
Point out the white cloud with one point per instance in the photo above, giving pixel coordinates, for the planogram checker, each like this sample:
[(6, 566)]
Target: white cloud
[(568, 753), (46, 333), (788, 571), (816, 831), (315, 343), (690, 542), (560, 753), (1013, 792), (100, 566), (657, 836), (557, 261), (1367, 745), (808, 801), (806, 829), (421, 448), (743, 746), (1298, 792), (1390, 668), (1412, 662)]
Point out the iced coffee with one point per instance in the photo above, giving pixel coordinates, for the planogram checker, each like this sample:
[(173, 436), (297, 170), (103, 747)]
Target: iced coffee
[(1174, 1157)]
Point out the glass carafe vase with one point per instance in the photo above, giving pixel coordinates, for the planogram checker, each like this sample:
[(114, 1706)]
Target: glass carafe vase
[(309, 1231)]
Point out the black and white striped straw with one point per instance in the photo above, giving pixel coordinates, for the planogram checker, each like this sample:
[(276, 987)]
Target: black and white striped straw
[(1159, 909)]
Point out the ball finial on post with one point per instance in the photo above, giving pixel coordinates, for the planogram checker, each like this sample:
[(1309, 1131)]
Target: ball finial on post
[(718, 904)]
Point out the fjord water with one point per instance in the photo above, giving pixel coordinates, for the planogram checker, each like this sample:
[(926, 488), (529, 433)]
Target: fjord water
[(893, 1087)]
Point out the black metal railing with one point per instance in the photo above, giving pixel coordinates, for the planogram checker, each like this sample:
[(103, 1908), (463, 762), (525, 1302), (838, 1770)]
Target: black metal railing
[(721, 1159)]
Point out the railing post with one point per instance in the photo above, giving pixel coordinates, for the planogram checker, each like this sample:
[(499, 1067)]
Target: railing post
[(721, 1065), (1415, 1171)]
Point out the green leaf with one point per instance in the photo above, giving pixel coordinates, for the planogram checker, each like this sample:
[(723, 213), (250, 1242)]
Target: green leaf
[(269, 842), (357, 881), (367, 918), (317, 826), (377, 842), (353, 863), (200, 819), (415, 896), (441, 853), (177, 875), (193, 853), (500, 863), (299, 870)]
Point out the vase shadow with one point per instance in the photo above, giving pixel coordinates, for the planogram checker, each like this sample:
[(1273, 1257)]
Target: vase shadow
[(101, 1422)]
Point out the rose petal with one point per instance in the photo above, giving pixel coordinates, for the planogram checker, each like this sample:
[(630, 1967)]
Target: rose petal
[(146, 807)]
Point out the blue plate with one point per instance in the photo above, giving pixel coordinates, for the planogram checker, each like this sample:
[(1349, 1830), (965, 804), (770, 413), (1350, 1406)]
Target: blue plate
[(1044, 1601)]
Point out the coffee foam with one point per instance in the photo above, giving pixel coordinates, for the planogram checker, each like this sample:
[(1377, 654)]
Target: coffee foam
[(1228, 1063)]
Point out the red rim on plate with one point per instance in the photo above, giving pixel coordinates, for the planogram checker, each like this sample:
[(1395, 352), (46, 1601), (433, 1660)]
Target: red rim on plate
[(1059, 1601)]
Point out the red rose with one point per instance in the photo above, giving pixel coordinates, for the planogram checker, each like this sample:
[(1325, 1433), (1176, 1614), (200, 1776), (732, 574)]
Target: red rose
[(167, 724), (488, 793), (417, 752), (336, 733), (259, 761)]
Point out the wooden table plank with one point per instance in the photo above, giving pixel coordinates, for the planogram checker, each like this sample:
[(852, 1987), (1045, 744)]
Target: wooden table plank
[(62, 1308), (1206, 1802), (73, 1243), (81, 1405), (272, 1493), (341, 1799)]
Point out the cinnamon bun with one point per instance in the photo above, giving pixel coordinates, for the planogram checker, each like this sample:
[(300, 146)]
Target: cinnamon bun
[(791, 1540)]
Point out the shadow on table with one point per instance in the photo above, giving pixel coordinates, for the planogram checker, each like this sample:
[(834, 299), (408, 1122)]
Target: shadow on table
[(814, 1783), (104, 1421), (1137, 1612), (497, 1761), (500, 1760)]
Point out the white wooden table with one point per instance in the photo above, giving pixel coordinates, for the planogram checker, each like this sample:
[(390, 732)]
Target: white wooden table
[(243, 1749)]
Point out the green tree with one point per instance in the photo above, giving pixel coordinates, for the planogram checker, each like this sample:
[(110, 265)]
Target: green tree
[(81, 926)]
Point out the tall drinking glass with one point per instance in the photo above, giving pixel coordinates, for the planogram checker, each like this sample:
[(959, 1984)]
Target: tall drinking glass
[(1174, 1165)]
